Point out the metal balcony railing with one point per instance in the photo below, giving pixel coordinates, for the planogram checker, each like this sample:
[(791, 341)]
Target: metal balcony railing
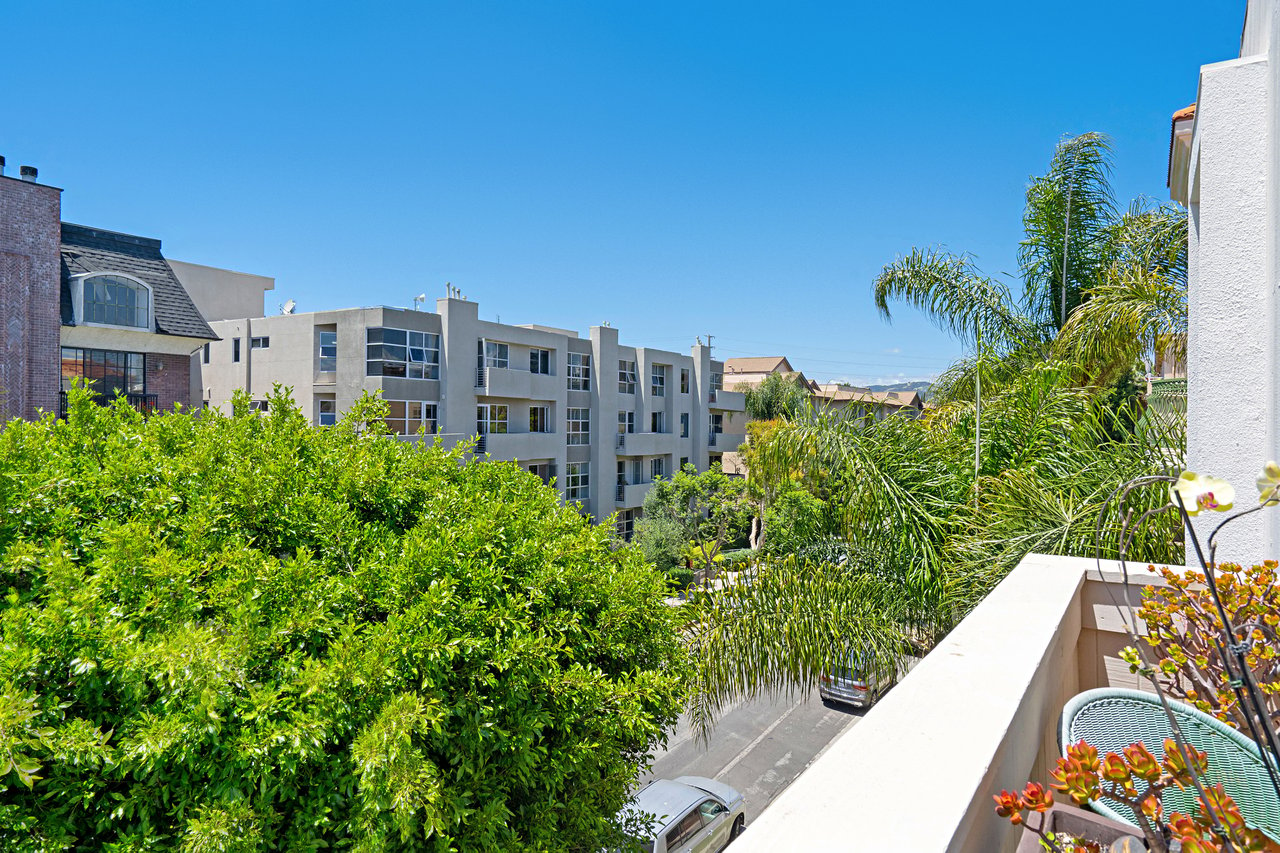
[(145, 403), (711, 398), (480, 377), (711, 438), (481, 443), (622, 441), (621, 492)]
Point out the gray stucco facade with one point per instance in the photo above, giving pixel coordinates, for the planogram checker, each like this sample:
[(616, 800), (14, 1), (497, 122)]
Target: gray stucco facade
[(562, 405)]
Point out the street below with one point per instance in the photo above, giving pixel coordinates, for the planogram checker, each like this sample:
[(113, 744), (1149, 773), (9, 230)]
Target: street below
[(758, 746)]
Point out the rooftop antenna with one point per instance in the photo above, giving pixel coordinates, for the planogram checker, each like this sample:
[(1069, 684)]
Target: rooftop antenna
[(418, 300), (288, 307)]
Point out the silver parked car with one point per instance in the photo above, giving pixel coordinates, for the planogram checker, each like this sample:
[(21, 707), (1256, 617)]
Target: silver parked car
[(691, 814), (852, 684)]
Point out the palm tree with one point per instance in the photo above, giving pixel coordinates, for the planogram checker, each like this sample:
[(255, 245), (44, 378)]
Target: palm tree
[(920, 554), (1097, 287), (1068, 220), (1137, 310), (780, 395)]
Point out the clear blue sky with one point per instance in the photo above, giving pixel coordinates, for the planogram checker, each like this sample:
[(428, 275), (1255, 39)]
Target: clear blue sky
[(752, 165)]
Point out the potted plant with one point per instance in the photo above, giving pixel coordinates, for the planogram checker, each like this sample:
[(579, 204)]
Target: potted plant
[(1135, 779)]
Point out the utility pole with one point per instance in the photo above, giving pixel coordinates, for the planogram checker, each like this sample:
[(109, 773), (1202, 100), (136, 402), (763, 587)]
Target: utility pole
[(708, 341)]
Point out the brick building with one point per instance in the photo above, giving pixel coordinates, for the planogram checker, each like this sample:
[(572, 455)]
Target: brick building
[(80, 302)]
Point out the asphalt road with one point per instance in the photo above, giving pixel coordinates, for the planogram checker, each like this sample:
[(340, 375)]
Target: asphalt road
[(758, 747)]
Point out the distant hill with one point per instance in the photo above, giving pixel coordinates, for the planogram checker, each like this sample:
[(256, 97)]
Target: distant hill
[(921, 386)]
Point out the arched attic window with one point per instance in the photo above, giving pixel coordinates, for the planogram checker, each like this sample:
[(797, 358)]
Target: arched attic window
[(115, 299)]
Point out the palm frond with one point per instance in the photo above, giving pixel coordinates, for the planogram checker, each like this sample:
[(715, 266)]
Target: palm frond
[(955, 296), (1069, 210), (776, 631)]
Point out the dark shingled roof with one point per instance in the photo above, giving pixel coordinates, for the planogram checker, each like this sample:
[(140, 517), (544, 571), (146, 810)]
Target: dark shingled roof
[(86, 250)]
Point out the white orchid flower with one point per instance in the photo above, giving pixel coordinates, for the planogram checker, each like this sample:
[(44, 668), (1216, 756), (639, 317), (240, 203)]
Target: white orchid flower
[(1201, 493), (1269, 485)]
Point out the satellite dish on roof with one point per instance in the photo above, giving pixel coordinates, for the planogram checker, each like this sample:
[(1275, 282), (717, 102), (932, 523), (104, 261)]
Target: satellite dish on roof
[(288, 307)]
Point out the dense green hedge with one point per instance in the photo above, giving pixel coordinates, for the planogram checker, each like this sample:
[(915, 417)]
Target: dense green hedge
[(242, 633)]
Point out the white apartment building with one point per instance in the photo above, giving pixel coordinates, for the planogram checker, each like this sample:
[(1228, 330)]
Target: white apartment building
[(1224, 165), (600, 419)]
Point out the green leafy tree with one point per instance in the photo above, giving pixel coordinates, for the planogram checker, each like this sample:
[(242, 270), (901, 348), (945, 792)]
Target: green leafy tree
[(662, 541), (246, 633), (710, 509)]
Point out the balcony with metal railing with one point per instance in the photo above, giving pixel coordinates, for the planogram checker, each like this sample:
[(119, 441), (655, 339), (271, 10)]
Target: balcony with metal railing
[(645, 443), (517, 383), (145, 403), (631, 494)]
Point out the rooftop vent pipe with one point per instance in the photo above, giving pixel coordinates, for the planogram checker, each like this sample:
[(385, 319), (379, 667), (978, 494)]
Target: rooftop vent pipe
[(1, 165), (28, 173)]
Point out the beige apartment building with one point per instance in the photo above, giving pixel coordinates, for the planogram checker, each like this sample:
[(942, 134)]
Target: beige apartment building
[(600, 419)]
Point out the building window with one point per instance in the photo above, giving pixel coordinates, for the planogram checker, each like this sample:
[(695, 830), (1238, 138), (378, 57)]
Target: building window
[(684, 424), (684, 460), (397, 352), (626, 422), (577, 481), (579, 371), (658, 384), (657, 468), (626, 377), (106, 372), (258, 405), (717, 381), (406, 417), (260, 343), (684, 380), (626, 524), (540, 361), (539, 419), (579, 426), (717, 423), (492, 354), (206, 354), (326, 412), (113, 300), (658, 421), (328, 362), (491, 419), (235, 349)]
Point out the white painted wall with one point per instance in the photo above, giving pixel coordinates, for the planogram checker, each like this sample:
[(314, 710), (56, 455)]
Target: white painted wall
[(1234, 308), (978, 714)]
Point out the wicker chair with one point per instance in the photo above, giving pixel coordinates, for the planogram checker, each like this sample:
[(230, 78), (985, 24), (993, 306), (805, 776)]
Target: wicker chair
[(1110, 719)]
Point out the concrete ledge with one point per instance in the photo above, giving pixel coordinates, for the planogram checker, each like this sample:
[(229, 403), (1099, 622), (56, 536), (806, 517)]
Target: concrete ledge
[(976, 715)]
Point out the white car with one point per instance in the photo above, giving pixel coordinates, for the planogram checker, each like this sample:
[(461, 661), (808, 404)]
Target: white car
[(691, 814), (851, 684)]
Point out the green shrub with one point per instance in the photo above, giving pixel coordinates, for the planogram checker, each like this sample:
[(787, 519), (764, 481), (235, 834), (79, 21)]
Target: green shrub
[(661, 541), (736, 559), (680, 577), (247, 633), (795, 520)]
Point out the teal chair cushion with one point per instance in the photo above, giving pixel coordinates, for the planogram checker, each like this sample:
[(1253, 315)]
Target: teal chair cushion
[(1109, 719)]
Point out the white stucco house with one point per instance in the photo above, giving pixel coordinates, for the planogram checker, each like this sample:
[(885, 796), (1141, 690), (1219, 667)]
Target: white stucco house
[(1224, 166)]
